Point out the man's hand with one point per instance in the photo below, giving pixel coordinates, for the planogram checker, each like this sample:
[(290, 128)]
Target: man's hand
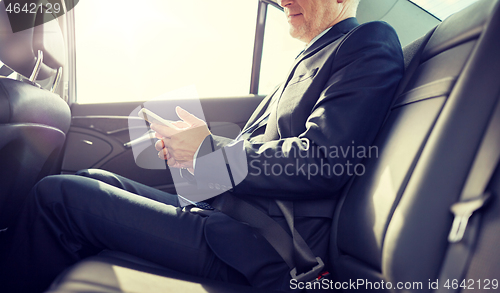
[(178, 146)]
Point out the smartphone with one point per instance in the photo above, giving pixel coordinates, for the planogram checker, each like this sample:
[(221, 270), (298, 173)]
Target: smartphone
[(153, 118)]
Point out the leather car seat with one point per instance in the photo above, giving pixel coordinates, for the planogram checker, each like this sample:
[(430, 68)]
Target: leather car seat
[(33, 121), (393, 224)]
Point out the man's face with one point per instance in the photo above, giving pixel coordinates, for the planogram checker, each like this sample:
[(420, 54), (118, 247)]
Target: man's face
[(308, 18)]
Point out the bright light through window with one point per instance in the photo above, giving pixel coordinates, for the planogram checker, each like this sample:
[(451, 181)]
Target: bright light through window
[(280, 50), (139, 50), (443, 8)]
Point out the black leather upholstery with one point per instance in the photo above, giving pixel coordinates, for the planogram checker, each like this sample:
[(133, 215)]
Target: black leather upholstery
[(33, 121), (392, 224), (119, 272), (23, 103), (394, 221), (33, 126)]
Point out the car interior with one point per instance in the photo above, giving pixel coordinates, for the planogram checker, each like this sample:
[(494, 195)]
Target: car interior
[(417, 219)]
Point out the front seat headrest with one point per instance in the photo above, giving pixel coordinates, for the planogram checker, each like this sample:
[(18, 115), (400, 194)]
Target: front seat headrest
[(19, 50)]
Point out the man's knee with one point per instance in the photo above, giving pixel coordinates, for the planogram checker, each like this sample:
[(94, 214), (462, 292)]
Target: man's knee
[(48, 189), (56, 187), (84, 172), (101, 175), (93, 173), (107, 177)]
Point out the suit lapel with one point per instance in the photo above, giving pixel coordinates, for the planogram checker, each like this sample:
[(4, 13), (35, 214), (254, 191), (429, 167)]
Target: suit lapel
[(261, 109), (337, 31)]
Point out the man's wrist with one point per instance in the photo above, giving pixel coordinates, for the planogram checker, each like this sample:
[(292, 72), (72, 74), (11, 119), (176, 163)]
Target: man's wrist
[(206, 146)]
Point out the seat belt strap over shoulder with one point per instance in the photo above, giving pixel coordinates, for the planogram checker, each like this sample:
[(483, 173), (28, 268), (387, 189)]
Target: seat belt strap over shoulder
[(474, 196)]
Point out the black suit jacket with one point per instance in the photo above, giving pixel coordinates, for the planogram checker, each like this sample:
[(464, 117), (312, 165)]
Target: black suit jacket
[(334, 99)]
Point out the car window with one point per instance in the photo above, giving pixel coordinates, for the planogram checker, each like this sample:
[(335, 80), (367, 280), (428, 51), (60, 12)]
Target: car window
[(279, 51), (443, 8), (138, 51), (12, 75)]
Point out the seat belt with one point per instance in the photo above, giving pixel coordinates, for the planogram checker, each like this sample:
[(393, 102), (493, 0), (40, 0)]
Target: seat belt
[(303, 256), (463, 234), (305, 267)]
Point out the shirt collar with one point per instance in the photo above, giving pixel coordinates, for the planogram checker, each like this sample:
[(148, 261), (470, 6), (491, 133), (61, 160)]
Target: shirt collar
[(317, 37)]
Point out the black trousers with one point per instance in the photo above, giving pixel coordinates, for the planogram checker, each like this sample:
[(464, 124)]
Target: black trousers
[(69, 217)]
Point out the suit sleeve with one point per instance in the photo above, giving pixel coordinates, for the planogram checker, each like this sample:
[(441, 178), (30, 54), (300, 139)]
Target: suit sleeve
[(347, 115)]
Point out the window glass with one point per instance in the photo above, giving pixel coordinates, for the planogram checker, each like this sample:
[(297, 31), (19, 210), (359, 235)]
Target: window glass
[(139, 50), (279, 52), (45, 83), (443, 8), (13, 75)]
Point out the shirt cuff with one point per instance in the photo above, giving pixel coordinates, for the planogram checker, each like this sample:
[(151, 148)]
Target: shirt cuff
[(194, 158)]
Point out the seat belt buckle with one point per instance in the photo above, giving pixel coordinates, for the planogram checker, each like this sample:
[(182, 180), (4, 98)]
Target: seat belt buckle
[(314, 274), (463, 210)]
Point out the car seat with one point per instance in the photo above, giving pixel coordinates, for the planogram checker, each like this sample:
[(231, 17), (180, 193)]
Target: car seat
[(33, 121)]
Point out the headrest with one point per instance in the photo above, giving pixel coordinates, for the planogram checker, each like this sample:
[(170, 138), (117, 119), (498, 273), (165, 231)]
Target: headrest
[(459, 28), (19, 50)]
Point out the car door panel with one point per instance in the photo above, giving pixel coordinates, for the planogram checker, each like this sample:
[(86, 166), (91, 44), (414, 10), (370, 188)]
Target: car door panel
[(100, 135)]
